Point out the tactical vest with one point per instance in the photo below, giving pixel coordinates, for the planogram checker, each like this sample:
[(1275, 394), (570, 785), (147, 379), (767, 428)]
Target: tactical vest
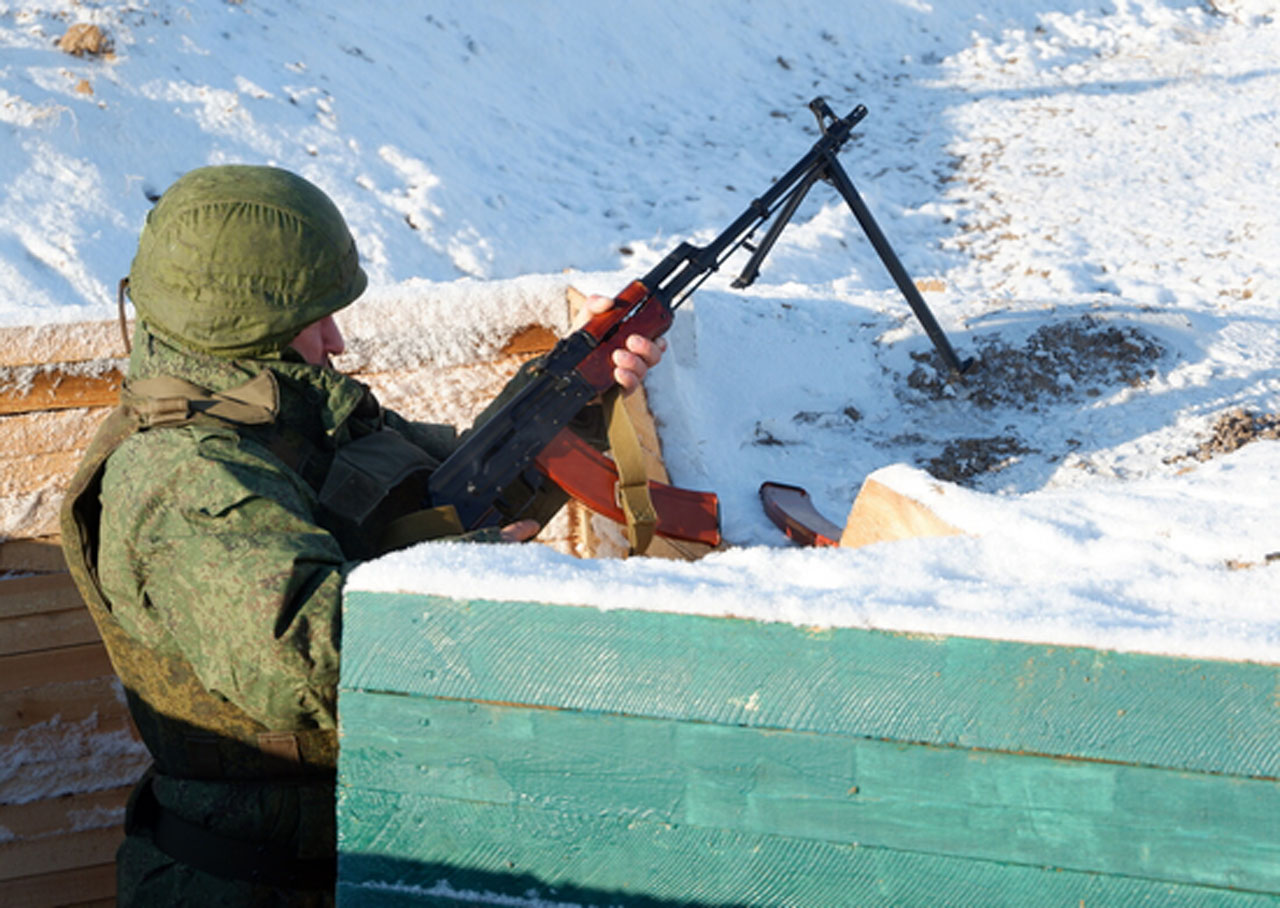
[(190, 732)]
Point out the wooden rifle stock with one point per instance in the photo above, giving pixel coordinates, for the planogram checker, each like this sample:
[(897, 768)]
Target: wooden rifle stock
[(591, 478)]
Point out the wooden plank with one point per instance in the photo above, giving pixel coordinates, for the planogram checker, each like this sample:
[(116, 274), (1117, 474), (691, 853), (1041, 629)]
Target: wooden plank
[(37, 345), (48, 431), (83, 775), (81, 887), (880, 514), (69, 813), (456, 853), (67, 701), (58, 390), (1099, 817), (484, 744), (35, 554), (531, 341), (83, 662), (37, 594), (33, 515), (1185, 714), (58, 854), (64, 757), (46, 631), (34, 472)]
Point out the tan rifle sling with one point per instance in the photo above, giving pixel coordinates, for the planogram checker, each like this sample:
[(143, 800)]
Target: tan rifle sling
[(633, 475)]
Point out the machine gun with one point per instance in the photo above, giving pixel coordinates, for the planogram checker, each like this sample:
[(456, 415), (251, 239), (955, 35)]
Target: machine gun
[(529, 432)]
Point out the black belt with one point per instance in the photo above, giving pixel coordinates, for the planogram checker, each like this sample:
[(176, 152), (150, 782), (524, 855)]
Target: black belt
[(224, 856)]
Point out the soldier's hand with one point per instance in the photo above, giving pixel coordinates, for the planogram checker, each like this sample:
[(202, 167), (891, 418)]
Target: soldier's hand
[(641, 353), (520, 531)]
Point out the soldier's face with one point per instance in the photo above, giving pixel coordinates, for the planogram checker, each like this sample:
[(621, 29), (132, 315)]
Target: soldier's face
[(319, 341)]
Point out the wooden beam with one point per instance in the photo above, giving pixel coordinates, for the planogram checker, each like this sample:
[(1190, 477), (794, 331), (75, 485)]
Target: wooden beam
[(72, 663), (55, 389), (531, 341), (46, 631), (58, 854), (38, 594), (79, 887), (1112, 818), (67, 813), (49, 431), (35, 472), (1204, 715), (36, 554), (68, 701), (727, 761), (486, 851), (881, 514), (75, 342), (66, 753)]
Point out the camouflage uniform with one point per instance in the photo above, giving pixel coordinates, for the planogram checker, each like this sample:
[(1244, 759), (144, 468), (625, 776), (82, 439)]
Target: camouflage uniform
[(207, 533)]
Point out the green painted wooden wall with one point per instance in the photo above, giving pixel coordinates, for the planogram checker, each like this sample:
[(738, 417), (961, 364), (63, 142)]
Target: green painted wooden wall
[(523, 754)]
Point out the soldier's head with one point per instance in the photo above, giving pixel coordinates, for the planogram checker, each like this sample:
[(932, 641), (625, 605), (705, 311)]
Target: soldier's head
[(239, 260)]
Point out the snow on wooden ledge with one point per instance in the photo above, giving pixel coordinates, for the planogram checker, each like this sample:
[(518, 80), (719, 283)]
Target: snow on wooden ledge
[(1174, 566)]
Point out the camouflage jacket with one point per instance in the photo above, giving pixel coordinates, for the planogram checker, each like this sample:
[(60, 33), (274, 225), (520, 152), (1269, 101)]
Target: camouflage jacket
[(211, 544), (217, 560)]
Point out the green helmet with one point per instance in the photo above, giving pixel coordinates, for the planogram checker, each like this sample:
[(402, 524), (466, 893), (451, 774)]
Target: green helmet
[(235, 260)]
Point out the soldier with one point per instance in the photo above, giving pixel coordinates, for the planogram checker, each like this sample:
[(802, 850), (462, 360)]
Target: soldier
[(214, 518)]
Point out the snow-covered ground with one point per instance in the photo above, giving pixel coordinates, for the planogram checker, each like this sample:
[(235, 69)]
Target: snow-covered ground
[(1087, 192)]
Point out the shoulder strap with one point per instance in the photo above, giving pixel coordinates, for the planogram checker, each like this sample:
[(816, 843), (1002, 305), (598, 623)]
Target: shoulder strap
[(169, 401)]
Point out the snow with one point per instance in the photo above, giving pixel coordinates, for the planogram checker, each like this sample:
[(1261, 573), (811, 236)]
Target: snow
[(1144, 571), (1086, 192)]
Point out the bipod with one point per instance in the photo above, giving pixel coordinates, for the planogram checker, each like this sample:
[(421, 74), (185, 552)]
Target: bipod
[(827, 167)]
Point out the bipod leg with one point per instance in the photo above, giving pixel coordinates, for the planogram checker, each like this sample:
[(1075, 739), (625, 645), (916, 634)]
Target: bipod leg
[(780, 221), (836, 174)]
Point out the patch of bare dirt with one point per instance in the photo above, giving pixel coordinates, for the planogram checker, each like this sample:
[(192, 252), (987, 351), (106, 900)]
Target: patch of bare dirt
[(1235, 564), (966, 458), (1231, 432), (1072, 360)]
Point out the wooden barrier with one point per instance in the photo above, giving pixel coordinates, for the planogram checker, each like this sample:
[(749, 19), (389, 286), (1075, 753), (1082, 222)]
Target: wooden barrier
[(70, 754), (68, 749), (498, 751)]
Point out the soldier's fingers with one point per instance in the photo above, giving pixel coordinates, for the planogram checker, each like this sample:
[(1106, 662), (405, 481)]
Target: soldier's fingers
[(648, 350), (519, 531), (597, 303), (629, 370)]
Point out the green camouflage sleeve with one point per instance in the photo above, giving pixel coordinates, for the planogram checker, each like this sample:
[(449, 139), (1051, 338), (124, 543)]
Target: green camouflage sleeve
[(210, 547)]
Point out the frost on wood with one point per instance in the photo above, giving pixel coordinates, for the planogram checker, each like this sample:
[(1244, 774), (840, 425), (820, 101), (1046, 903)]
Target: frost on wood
[(57, 757), (418, 323)]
